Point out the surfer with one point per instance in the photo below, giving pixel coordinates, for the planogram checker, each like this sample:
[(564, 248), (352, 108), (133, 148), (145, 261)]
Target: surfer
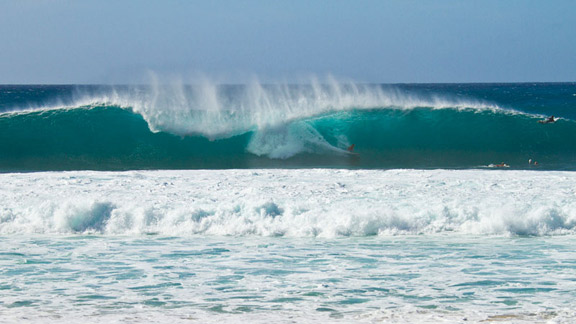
[(502, 165), (548, 120), (351, 148)]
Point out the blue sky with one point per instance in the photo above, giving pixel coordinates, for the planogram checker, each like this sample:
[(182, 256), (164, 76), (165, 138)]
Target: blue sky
[(106, 41)]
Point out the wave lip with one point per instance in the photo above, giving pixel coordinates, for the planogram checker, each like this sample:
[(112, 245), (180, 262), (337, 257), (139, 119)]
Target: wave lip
[(294, 203), (220, 111)]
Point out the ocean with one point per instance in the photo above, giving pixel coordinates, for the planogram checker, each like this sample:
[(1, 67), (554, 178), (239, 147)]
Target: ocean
[(329, 201)]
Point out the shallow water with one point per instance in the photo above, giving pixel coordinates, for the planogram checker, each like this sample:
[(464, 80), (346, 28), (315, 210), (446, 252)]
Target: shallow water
[(398, 279), (285, 246)]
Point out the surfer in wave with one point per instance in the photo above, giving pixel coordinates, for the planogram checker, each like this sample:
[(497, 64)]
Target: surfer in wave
[(548, 120)]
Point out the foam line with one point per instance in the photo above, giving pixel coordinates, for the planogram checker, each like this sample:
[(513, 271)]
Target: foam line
[(294, 203)]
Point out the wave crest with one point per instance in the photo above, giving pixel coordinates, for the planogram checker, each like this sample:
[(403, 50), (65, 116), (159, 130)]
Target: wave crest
[(221, 111), (218, 111)]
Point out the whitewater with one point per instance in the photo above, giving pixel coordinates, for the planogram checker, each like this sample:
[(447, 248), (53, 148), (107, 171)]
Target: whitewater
[(241, 203), (290, 203), (395, 246)]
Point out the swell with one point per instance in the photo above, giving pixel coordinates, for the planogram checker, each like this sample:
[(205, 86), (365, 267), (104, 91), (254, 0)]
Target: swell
[(101, 138), (455, 138), (113, 137)]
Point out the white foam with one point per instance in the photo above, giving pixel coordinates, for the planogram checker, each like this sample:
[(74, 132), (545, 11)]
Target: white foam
[(276, 113), (295, 203), (211, 110), (208, 110), (286, 141)]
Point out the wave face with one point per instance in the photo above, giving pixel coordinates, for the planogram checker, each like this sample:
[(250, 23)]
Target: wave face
[(296, 126)]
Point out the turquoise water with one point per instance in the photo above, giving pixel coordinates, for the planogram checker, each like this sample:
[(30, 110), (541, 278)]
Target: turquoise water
[(447, 278), (458, 126), (283, 246), (232, 204)]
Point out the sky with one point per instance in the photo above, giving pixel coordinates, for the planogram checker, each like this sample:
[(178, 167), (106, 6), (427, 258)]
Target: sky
[(376, 41)]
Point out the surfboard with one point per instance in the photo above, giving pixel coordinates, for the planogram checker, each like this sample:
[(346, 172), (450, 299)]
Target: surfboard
[(548, 121), (502, 165)]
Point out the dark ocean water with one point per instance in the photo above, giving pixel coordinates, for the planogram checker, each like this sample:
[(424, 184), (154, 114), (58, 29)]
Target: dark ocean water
[(460, 126)]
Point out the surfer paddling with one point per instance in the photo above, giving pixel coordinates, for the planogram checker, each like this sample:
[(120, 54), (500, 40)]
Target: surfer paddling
[(548, 120), (501, 165)]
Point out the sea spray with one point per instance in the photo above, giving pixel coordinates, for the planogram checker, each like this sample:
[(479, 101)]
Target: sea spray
[(175, 125)]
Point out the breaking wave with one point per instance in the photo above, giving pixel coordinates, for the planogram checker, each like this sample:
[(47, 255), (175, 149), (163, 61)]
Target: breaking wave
[(212, 126), (294, 203)]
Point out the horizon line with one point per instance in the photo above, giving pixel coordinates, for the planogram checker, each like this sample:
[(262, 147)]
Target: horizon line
[(293, 83)]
